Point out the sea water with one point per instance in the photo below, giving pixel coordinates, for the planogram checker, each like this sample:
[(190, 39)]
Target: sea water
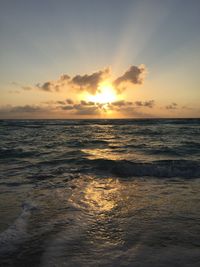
[(100, 192)]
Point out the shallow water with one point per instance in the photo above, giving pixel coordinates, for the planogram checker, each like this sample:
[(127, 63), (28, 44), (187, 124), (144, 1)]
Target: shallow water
[(100, 193)]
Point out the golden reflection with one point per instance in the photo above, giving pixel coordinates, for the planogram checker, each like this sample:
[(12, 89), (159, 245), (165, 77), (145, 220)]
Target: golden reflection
[(101, 197), (96, 196), (101, 206), (101, 154)]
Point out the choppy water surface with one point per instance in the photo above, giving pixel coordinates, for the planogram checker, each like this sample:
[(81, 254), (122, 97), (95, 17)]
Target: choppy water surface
[(100, 193)]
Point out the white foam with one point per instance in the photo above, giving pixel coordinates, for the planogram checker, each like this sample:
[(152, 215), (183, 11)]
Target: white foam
[(16, 233)]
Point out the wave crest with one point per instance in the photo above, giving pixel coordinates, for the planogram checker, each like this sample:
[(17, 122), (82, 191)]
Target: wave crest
[(164, 168)]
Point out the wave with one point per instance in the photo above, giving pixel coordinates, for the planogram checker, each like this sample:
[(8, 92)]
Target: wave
[(16, 153), (87, 143), (16, 233), (162, 168)]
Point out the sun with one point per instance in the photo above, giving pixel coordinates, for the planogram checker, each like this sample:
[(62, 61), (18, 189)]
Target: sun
[(106, 94)]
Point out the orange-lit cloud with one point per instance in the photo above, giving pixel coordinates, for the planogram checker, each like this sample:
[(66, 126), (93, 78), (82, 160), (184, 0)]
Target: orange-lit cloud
[(134, 75), (90, 82), (70, 107)]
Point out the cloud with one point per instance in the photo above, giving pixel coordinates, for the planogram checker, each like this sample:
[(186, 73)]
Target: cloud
[(128, 109), (54, 86), (87, 103), (22, 109), (45, 86), (61, 102), (86, 82), (69, 101), (80, 108), (136, 104), (64, 77), (121, 103), (24, 87), (90, 82), (88, 111), (172, 106), (67, 107), (49, 86), (134, 75), (148, 104), (27, 109), (132, 109), (84, 108)]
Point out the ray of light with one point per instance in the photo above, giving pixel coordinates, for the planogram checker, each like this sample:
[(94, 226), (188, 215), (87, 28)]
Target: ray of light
[(142, 22)]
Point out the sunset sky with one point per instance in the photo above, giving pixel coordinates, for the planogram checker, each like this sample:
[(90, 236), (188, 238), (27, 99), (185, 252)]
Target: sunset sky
[(99, 59)]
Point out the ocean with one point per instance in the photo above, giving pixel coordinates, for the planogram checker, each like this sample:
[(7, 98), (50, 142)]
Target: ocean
[(100, 193)]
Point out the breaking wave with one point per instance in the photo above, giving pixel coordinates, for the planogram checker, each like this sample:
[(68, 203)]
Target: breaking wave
[(163, 168)]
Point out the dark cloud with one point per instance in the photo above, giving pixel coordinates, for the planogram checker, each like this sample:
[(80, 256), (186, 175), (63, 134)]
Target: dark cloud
[(87, 103), (61, 102), (134, 75), (54, 86), (45, 86), (148, 104), (172, 106), (28, 111), (69, 101), (27, 108), (50, 102), (120, 103), (64, 77), (88, 111), (83, 108), (90, 82), (66, 102), (86, 82), (136, 104), (129, 109), (67, 107), (22, 109), (132, 109), (49, 86), (71, 108)]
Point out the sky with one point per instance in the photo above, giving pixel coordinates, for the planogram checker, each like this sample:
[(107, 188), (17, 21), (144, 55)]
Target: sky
[(99, 58)]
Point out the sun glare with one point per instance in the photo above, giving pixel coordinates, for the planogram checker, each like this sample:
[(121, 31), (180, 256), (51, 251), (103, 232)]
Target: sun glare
[(105, 94)]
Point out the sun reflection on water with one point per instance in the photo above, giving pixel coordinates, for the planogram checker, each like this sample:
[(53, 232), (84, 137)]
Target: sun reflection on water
[(97, 196), (98, 153), (101, 197)]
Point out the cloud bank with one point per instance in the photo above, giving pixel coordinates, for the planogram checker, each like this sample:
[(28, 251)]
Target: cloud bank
[(69, 107), (90, 82)]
